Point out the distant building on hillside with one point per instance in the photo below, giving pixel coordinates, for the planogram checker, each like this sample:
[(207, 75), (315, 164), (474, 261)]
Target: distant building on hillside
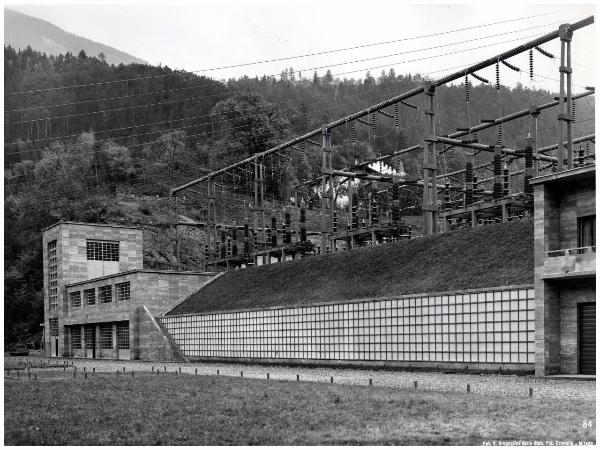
[(565, 272)]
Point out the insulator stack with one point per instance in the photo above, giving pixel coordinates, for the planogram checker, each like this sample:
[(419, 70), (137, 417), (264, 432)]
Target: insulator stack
[(500, 134), (581, 154), (475, 137), (353, 132), (255, 240), (497, 189), (531, 64), (234, 249), (206, 252), (528, 188), (246, 239), (335, 222), (302, 225), (396, 115), (447, 196), (573, 111), (374, 212), (288, 228), (228, 246), (505, 181), (468, 183), (497, 76), (467, 88), (354, 211), (373, 121), (273, 231), (475, 185), (396, 203)]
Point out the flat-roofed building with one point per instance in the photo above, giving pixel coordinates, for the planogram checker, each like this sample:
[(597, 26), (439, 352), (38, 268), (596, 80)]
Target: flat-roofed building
[(565, 272)]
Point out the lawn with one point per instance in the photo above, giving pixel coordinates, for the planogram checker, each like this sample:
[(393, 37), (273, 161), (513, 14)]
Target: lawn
[(210, 410)]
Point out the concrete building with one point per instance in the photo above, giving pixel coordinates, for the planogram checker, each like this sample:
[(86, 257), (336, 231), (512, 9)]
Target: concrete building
[(565, 272), (99, 302)]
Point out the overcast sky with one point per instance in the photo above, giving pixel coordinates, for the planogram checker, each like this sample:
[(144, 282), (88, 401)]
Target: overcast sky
[(208, 34)]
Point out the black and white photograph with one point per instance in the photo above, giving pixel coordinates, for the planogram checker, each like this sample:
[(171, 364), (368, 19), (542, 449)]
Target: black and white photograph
[(299, 223)]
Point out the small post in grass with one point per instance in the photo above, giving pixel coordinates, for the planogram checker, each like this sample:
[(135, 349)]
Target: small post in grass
[(416, 384), (241, 373), (85, 375), (74, 373), (530, 392), (117, 372), (468, 388), (370, 381), (196, 371), (157, 371), (132, 374), (217, 371), (28, 375), (64, 368), (180, 370), (152, 369), (83, 369), (331, 380), (165, 368), (123, 369), (93, 370), (297, 377), (35, 377), (267, 375)]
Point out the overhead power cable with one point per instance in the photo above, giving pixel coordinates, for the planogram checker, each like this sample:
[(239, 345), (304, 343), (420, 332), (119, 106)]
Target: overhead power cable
[(289, 57)]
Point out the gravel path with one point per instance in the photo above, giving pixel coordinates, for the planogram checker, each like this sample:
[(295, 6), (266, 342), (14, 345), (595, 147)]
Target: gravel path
[(498, 385)]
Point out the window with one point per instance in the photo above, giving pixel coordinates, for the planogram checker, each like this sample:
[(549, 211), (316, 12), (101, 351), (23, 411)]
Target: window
[(106, 341), (90, 296), (52, 276), (90, 338), (123, 291), (586, 231), (105, 294), (102, 250), (76, 337), (123, 335), (53, 327), (75, 298)]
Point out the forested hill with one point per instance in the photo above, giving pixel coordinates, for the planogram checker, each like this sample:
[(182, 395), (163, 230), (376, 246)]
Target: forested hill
[(22, 31)]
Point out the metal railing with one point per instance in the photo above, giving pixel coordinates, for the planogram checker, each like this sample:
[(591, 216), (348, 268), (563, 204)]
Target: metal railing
[(571, 251)]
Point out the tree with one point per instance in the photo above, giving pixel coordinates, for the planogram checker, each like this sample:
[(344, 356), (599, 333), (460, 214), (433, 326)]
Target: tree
[(171, 149)]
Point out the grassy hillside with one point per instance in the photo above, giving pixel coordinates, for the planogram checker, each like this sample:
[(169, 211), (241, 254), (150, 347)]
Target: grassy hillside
[(494, 255)]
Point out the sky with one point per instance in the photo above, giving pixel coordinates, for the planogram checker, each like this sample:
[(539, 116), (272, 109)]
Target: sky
[(204, 35)]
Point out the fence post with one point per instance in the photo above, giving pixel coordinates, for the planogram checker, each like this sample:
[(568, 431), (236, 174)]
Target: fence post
[(530, 392), (267, 375), (416, 385), (331, 380), (468, 388), (370, 381)]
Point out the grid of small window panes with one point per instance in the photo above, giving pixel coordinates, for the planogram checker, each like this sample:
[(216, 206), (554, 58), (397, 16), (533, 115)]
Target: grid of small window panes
[(90, 296), (76, 337), (106, 337), (53, 327), (75, 298), (105, 294), (90, 332), (493, 326), (123, 291), (123, 335), (102, 250), (52, 276)]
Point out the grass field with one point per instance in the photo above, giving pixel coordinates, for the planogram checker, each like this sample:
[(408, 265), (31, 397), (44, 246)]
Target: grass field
[(210, 410), (494, 255)]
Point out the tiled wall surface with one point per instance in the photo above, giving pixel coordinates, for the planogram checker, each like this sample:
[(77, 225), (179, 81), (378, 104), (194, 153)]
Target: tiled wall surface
[(491, 326)]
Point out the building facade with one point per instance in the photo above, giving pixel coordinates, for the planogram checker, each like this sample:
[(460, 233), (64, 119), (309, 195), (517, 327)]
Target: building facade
[(565, 272), (97, 296)]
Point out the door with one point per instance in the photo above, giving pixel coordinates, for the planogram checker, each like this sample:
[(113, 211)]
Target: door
[(55, 347), (587, 338)]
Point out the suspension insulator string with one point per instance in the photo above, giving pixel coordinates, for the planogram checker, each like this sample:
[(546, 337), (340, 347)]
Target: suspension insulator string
[(510, 66), (544, 52), (531, 65)]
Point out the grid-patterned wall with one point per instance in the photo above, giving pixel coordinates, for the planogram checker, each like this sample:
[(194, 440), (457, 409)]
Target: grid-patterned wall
[(491, 326)]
